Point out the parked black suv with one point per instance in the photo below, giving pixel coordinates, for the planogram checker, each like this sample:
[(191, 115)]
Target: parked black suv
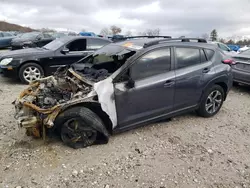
[(125, 85)]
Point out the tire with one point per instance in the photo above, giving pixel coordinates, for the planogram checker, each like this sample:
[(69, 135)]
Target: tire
[(214, 96), (79, 127), (35, 71), (235, 83)]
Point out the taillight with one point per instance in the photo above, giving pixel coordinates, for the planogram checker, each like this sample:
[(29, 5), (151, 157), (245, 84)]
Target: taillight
[(229, 62)]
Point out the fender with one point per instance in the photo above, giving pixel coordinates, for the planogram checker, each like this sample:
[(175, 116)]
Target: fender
[(219, 79)]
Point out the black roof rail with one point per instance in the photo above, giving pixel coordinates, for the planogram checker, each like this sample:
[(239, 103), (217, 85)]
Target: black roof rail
[(141, 36), (173, 40), (154, 36)]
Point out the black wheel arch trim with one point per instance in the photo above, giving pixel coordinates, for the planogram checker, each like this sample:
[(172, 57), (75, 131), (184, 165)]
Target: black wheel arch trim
[(218, 80), (95, 107), (22, 63)]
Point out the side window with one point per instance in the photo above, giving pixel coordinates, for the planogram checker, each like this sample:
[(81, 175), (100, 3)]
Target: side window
[(209, 53), (7, 35), (77, 45), (203, 56), (224, 47), (151, 64), (187, 57), (93, 44), (40, 36), (46, 36)]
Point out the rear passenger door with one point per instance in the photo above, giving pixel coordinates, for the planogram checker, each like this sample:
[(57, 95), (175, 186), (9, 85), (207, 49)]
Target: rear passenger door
[(191, 66)]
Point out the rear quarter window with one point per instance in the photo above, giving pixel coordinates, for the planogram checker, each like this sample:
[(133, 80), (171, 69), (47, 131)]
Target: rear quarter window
[(209, 54)]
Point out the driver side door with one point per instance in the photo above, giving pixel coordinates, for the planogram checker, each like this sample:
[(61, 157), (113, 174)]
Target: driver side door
[(152, 91)]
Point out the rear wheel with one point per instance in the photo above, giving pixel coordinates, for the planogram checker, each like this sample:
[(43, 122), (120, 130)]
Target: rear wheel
[(212, 101), (30, 72)]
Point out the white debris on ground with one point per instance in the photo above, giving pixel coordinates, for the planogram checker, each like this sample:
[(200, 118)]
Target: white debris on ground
[(188, 151)]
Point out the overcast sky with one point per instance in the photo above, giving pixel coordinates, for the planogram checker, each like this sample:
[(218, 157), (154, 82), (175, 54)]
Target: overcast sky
[(173, 17)]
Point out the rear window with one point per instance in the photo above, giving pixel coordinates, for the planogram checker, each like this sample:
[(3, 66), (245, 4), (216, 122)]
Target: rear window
[(209, 53)]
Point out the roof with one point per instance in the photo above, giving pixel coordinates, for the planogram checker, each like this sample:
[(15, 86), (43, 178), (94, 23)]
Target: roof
[(68, 38), (137, 44)]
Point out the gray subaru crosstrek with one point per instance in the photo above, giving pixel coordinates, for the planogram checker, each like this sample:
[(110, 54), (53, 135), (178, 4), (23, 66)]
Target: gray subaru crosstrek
[(125, 85)]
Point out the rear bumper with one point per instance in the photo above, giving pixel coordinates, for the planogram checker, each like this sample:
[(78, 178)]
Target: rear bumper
[(241, 76)]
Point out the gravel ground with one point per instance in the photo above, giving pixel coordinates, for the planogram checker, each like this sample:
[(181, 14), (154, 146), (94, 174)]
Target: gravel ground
[(186, 152)]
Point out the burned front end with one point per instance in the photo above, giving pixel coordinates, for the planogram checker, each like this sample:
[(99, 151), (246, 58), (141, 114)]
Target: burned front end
[(87, 82), (38, 106)]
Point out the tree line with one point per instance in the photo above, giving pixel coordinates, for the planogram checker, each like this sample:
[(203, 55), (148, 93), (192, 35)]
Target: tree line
[(115, 30), (214, 37)]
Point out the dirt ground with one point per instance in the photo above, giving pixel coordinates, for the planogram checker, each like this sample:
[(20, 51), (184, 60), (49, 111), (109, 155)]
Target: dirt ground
[(188, 151)]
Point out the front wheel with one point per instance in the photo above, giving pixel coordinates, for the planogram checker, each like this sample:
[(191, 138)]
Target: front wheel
[(80, 127), (30, 72), (211, 102)]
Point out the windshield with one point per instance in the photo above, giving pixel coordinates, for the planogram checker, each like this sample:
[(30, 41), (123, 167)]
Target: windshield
[(107, 51), (103, 62), (29, 35), (59, 35), (247, 52), (54, 45), (106, 54)]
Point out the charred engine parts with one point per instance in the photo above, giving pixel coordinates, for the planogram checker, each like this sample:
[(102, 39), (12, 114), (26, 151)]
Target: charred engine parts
[(39, 104), (95, 75)]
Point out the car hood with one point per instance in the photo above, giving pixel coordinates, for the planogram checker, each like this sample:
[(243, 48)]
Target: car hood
[(4, 38), (24, 52), (21, 40)]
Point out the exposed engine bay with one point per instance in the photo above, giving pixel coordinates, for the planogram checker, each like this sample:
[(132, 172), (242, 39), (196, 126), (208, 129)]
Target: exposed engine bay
[(41, 102)]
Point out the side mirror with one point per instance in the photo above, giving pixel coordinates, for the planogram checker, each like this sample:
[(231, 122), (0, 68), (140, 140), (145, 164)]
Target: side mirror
[(65, 50), (130, 84)]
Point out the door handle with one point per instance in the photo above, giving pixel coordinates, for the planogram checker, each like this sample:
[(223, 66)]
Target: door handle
[(206, 70), (169, 83)]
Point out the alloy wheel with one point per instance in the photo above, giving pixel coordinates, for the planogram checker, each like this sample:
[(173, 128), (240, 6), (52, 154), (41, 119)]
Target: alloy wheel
[(31, 74), (214, 101)]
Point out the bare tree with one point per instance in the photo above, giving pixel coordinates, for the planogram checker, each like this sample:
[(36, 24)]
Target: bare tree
[(128, 33), (151, 32), (222, 40), (105, 31), (47, 30), (205, 36), (115, 30)]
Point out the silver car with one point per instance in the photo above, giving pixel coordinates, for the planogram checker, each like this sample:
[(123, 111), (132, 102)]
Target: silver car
[(241, 69)]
